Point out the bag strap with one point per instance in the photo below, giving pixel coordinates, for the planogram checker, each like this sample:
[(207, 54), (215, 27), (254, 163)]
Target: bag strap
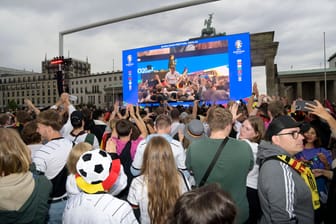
[(89, 138), (212, 164), (186, 182)]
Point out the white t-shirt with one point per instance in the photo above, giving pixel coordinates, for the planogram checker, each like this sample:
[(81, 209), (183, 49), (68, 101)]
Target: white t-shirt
[(67, 127), (252, 177), (33, 148), (175, 127), (81, 138), (51, 157), (172, 78), (97, 208), (178, 152), (138, 195)]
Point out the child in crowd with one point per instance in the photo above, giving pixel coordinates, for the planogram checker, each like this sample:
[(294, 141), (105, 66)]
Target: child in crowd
[(75, 154), (96, 175)]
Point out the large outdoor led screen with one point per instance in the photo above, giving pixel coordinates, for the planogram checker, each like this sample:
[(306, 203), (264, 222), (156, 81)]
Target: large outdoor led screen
[(216, 69)]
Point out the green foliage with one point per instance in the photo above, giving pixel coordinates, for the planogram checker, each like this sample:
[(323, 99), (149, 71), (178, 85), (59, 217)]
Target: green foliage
[(12, 105)]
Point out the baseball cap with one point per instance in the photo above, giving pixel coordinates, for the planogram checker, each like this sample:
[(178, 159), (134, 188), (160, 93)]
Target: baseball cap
[(278, 124), (76, 118), (194, 130)]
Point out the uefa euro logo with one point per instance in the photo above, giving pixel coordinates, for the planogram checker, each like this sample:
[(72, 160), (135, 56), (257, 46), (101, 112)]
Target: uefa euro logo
[(129, 59), (238, 44)]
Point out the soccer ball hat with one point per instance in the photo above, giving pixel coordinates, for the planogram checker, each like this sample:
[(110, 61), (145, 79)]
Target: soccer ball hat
[(96, 171)]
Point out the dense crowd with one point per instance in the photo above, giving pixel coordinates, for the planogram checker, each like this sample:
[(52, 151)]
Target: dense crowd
[(262, 160)]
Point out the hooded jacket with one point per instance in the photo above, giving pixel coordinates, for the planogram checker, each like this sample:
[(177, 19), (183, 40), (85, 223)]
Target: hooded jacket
[(284, 196), (32, 210)]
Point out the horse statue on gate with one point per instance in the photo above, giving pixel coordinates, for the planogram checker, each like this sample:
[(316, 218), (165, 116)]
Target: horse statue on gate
[(208, 30)]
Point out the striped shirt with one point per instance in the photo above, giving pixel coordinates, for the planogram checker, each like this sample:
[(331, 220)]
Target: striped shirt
[(51, 157), (97, 208), (177, 149)]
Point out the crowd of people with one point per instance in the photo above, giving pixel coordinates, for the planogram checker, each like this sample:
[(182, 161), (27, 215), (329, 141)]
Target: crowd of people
[(260, 161), (173, 86)]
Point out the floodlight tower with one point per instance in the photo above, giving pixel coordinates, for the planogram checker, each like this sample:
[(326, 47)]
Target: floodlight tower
[(132, 16)]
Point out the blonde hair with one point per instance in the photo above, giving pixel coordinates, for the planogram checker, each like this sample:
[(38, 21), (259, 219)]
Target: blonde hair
[(14, 153), (74, 155), (219, 118), (162, 178)]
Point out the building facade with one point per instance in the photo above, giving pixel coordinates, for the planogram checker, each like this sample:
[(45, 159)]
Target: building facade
[(100, 89), (309, 84)]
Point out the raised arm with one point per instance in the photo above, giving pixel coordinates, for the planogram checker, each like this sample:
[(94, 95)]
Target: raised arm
[(138, 120), (319, 111), (31, 106)]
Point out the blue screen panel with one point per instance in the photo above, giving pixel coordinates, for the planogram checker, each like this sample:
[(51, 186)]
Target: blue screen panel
[(216, 69)]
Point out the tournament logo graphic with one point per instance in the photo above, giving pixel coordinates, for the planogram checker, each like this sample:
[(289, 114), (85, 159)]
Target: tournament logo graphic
[(129, 60), (238, 44), (239, 47)]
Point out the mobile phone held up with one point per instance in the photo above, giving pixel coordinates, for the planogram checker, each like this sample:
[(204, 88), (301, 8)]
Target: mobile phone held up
[(301, 104)]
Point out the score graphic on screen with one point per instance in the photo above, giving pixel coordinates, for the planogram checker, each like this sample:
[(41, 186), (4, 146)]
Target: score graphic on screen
[(209, 69)]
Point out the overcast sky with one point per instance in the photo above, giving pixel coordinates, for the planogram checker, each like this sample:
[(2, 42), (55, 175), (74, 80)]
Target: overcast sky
[(30, 29)]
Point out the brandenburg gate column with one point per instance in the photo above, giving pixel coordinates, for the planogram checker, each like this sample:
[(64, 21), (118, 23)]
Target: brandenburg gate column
[(271, 83), (317, 90), (298, 89)]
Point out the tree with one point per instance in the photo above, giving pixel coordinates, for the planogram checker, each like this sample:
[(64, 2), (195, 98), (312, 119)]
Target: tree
[(12, 105)]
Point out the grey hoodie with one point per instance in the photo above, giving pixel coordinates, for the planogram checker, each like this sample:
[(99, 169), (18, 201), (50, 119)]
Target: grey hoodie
[(284, 196)]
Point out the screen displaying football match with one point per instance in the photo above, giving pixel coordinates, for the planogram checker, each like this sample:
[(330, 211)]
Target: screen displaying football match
[(213, 70)]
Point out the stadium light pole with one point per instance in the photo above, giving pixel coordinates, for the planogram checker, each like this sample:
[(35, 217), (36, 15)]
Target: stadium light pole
[(132, 16)]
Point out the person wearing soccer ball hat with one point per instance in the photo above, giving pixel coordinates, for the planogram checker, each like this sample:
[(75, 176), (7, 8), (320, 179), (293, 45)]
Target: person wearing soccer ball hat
[(96, 175)]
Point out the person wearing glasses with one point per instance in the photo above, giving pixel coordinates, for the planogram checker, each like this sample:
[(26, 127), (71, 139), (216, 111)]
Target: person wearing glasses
[(286, 187)]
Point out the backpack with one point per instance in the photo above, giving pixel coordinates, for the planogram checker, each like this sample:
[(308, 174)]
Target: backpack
[(89, 138)]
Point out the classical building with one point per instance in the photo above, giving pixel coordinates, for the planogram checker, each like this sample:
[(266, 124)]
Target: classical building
[(309, 84), (100, 89), (16, 85)]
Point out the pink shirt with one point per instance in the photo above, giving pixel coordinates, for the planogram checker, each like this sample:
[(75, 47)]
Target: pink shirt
[(121, 145)]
